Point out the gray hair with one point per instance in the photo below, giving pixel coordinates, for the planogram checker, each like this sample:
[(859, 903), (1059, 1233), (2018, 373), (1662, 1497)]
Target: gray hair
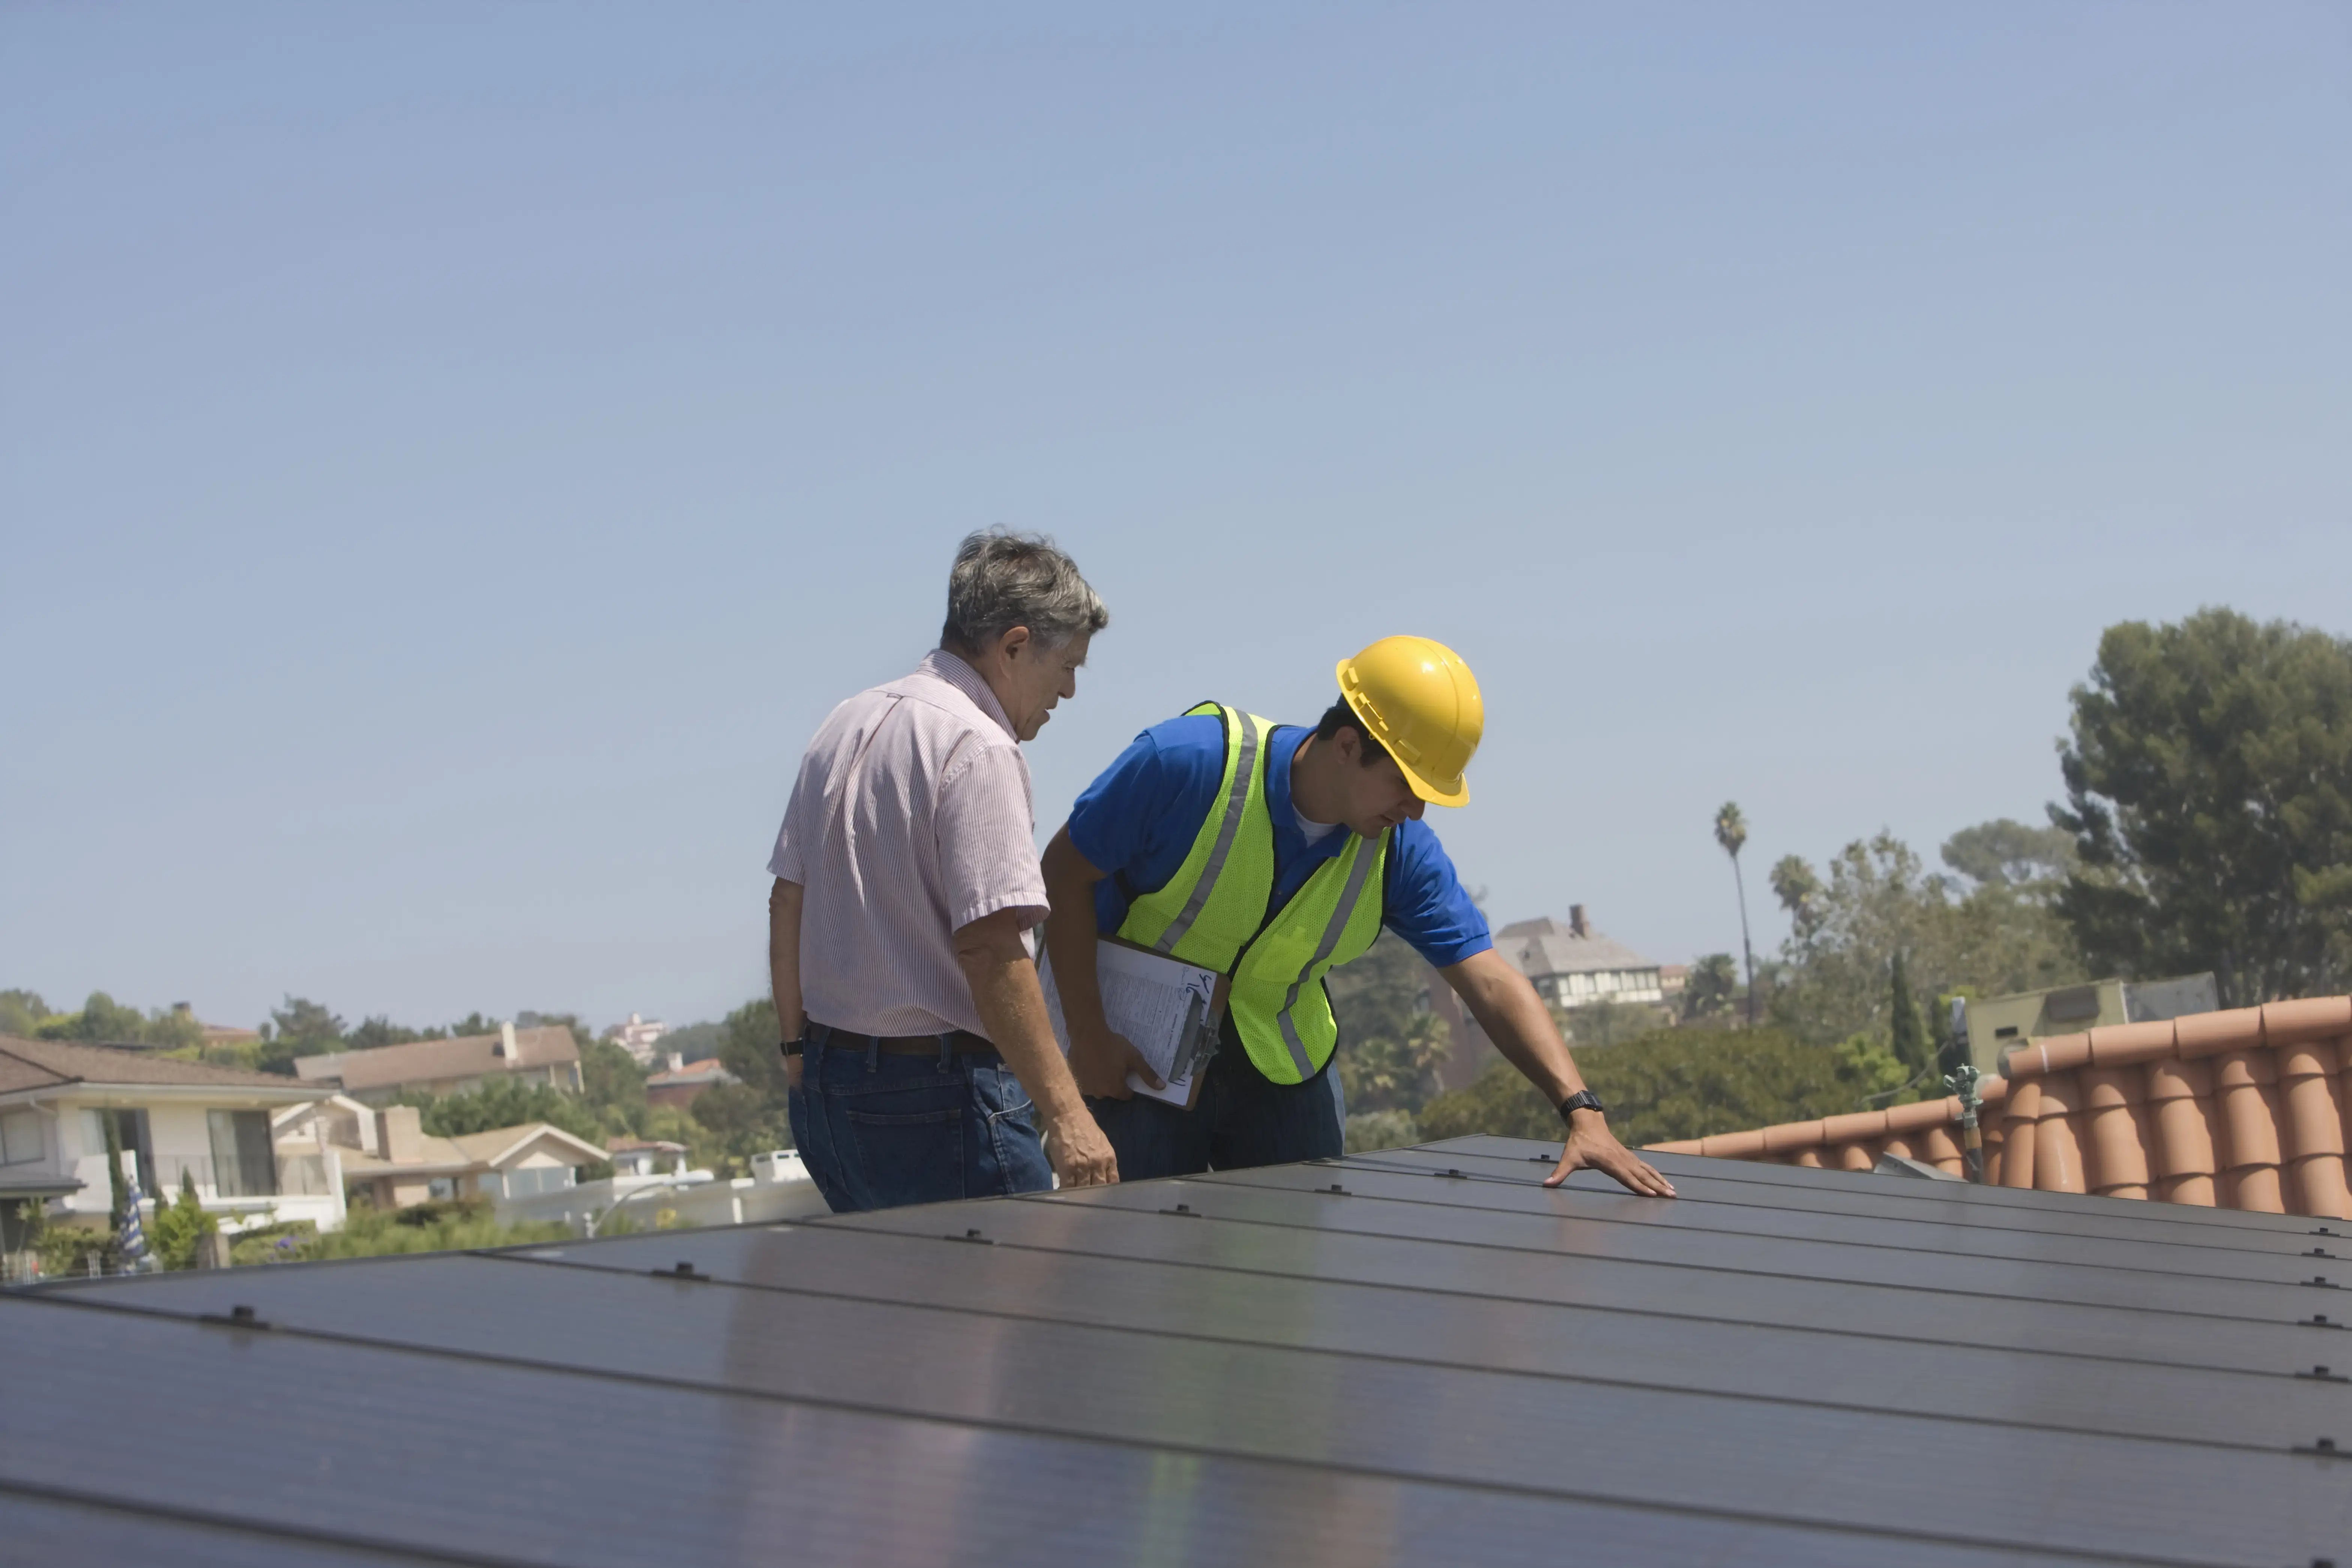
[(1003, 580)]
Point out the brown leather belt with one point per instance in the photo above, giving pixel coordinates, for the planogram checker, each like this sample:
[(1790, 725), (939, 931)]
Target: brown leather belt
[(963, 1043)]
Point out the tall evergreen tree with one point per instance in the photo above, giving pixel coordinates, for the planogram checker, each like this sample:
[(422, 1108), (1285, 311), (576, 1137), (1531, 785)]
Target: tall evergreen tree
[(118, 1189), (1906, 1033), (2209, 789)]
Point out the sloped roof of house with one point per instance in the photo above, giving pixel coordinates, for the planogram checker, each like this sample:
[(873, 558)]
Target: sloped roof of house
[(710, 1069), (487, 1151), (1419, 1355), (2250, 1108), (51, 1064), (1546, 946), (431, 1062)]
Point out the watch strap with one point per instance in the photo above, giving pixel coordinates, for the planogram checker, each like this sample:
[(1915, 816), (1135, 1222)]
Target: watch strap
[(1582, 1100)]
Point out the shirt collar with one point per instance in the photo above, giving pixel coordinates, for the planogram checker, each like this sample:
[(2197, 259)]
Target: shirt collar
[(942, 665), (1287, 840)]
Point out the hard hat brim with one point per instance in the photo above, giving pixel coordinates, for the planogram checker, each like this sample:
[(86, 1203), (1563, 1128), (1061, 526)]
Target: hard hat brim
[(1430, 791), (1448, 792)]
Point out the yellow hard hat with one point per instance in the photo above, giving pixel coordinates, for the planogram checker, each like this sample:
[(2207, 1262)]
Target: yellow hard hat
[(1421, 701)]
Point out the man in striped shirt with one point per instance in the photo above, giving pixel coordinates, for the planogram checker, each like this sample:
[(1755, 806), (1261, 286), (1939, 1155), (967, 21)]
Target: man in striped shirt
[(922, 1063)]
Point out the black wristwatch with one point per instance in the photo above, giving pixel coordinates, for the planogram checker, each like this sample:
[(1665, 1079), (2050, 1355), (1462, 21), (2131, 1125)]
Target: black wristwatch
[(1582, 1100)]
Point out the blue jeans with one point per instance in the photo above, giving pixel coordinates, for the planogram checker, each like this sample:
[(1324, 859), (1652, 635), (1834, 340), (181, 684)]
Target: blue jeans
[(1241, 1118), (877, 1131)]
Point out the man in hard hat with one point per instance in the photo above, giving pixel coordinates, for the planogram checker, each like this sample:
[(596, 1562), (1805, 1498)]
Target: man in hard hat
[(1271, 853)]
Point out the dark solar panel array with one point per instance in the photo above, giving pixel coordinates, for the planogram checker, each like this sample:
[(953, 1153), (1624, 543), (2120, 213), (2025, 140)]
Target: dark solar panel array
[(1414, 1356)]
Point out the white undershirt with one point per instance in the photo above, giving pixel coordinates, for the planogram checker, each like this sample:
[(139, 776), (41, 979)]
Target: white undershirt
[(1316, 832)]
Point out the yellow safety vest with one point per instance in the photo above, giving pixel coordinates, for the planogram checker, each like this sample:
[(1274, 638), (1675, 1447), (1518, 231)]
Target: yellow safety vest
[(1218, 912)]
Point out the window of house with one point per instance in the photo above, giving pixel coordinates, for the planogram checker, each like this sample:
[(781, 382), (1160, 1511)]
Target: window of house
[(130, 1128), (245, 1164), (441, 1187), (20, 1137), (533, 1180)]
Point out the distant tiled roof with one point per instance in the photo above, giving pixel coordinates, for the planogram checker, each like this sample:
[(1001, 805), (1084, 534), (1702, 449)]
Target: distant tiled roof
[(490, 1146), (429, 1061), (708, 1070), (2250, 1108), (1546, 946), (45, 1064), (467, 1152), (637, 1145)]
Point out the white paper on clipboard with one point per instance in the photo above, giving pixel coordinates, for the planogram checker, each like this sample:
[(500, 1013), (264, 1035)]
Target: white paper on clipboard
[(1165, 1006)]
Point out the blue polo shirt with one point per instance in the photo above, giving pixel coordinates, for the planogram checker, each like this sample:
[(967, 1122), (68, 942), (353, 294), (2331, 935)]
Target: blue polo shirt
[(1137, 822)]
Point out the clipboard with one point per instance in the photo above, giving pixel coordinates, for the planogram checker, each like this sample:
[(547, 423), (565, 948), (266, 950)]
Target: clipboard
[(1169, 1009)]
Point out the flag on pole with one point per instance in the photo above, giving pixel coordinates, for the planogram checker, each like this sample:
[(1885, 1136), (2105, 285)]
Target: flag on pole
[(135, 1238)]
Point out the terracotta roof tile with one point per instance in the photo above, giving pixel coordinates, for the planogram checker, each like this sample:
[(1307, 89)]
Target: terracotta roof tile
[(427, 1061), (2250, 1109)]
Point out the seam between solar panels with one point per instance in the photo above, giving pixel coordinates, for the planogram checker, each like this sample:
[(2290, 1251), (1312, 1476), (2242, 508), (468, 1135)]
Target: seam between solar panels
[(1536, 1302), (1363, 1163), (1149, 1444), (1644, 1262), (2191, 1215), (2144, 1213), (2187, 1218), (246, 1525), (1838, 1407), (1230, 1180)]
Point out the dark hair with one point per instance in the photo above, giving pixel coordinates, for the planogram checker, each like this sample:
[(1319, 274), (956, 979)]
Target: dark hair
[(1004, 579), (1338, 717)]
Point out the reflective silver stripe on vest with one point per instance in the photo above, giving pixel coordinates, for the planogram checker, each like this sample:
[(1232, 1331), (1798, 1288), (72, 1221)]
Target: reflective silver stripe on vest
[(1365, 855), (1236, 801)]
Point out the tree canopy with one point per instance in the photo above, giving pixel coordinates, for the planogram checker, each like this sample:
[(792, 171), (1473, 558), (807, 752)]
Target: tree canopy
[(1681, 1083), (2209, 794)]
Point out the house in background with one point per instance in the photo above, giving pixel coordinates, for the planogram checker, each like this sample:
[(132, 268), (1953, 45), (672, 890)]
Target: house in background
[(216, 1034), (396, 1164), (778, 1188), (1574, 966), (645, 1156), (683, 1082), (1571, 964), (546, 1055), (638, 1037), (175, 1120)]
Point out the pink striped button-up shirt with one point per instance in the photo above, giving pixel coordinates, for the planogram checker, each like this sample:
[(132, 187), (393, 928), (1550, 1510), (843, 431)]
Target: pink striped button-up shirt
[(912, 818)]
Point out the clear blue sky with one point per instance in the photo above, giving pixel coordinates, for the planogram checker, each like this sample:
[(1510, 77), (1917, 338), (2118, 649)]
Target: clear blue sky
[(452, 457)]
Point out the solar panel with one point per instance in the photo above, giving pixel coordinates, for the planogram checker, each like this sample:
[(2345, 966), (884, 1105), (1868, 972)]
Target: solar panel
[(1246, 1367)]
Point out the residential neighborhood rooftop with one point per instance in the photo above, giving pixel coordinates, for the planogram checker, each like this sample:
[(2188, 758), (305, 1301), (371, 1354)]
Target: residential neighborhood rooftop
[(1546, 946), (51, 1064), (1417, 1355), (425, 1061), (2247, 1109)]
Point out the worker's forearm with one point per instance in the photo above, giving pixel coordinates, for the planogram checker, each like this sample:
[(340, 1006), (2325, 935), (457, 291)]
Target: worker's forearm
[(785, 955), (1011, 1007), (1515, 1019), (1070, 936)]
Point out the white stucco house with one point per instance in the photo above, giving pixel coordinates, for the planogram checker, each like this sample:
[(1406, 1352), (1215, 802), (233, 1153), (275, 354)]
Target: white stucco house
[(174, 1119), (779, 1187), (387, 1157)]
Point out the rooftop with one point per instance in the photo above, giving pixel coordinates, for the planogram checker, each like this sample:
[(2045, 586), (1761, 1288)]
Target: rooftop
[(1419, 1355), (2250, 1108), (427, 1061), (1546, 946), (55, 1064), (469, 1151), (710, 1069)]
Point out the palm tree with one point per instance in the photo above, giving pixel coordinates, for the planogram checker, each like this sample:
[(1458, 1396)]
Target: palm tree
[(1731, 832)]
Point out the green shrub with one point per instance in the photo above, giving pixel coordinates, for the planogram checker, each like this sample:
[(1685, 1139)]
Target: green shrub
[(1369, 1130)]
